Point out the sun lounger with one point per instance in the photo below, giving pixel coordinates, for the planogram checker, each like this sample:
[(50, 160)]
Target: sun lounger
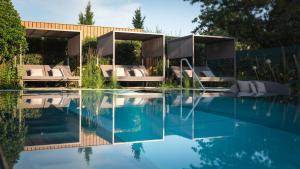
[(259, 89), (46, 73), (129, 73), (122, 100), (42, 100), (204, 73)]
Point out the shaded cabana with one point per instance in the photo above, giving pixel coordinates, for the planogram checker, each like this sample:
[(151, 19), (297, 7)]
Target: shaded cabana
[(66, 72), (213, 48), (152, 52)]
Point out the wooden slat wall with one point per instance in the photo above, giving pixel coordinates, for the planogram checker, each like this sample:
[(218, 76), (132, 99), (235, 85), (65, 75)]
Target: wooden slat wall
[(86, 140), (87, 30)]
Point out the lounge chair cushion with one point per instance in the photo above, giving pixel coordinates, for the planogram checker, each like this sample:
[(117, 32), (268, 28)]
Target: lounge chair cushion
[(244, 86), (36, 72), (189, 73), (120, 72), (260, 86), (208, 73), (57, 73), (56, 100), (273, 87), (138, 101), (138, 72), (120, 101), (253, 87), (36, 101)]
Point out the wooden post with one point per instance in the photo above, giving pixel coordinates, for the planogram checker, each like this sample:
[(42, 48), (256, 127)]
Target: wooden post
[(114, 56), (80, 58), (193, 58), (20, 69), (234, 62), (164, 60)]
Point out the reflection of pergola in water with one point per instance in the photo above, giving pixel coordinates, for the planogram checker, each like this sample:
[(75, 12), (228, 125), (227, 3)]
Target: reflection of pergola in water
[(39, 101), (131, 102), (192, 116), (86, 140)]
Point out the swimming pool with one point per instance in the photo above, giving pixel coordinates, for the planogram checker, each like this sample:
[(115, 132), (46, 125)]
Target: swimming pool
[(147, 129)]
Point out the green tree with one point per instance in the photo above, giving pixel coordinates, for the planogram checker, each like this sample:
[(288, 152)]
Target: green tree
[(138, 19), (88, 17), (12, 33), (256, 23)]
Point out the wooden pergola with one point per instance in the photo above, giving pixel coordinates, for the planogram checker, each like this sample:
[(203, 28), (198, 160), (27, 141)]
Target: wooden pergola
[(74, 45), (216, 47), (153, 46)]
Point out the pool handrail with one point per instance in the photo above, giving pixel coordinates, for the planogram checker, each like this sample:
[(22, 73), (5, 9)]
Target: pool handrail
[(193, 71)]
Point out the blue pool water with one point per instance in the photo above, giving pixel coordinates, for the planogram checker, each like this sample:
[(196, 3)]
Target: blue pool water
[(139, 129)]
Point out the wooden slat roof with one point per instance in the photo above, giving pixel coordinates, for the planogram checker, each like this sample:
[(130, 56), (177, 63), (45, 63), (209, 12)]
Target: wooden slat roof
[(50, 33), (126, 35)]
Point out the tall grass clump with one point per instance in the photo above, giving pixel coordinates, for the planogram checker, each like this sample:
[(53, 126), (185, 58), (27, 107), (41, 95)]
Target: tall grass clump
[(186, 82), (92, 77), (113, 84)]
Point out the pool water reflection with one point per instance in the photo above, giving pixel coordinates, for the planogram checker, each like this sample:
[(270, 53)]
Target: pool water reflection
[(134, 129)]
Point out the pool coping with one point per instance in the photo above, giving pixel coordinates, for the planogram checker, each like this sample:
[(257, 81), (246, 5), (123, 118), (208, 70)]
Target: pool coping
[(214, 89)]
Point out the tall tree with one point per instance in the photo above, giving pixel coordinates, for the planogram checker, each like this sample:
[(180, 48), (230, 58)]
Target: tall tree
[(88, 17), (138, 19), (12, 33), (256, 23)]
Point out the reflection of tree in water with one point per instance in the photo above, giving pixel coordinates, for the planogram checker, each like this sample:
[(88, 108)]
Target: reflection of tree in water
[(207, 159), (87, 152), (91, 102), (223, 153), (32, 113), (137, 149), (12, 132)]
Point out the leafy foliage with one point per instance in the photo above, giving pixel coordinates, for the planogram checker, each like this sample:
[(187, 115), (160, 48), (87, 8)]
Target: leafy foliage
[(169, 83), (9, 78), (88, 17), (12, 34), (34, 58), (89, 44), (128, 52), (138, 20), (46, 51), (256, 23)]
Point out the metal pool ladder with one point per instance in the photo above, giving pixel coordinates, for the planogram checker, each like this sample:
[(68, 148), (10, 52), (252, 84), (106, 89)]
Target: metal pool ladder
[(193, 71)]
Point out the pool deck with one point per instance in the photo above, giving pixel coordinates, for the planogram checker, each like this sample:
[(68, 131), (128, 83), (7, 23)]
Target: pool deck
[(208, 89)]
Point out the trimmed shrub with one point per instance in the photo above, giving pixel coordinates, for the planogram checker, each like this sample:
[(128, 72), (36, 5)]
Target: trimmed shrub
[(33, 58)]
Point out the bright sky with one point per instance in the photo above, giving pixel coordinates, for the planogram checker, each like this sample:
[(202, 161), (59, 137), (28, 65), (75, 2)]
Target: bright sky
[(173, 17)]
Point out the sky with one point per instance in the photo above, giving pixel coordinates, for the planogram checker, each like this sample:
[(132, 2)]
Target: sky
[(173, 17)]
